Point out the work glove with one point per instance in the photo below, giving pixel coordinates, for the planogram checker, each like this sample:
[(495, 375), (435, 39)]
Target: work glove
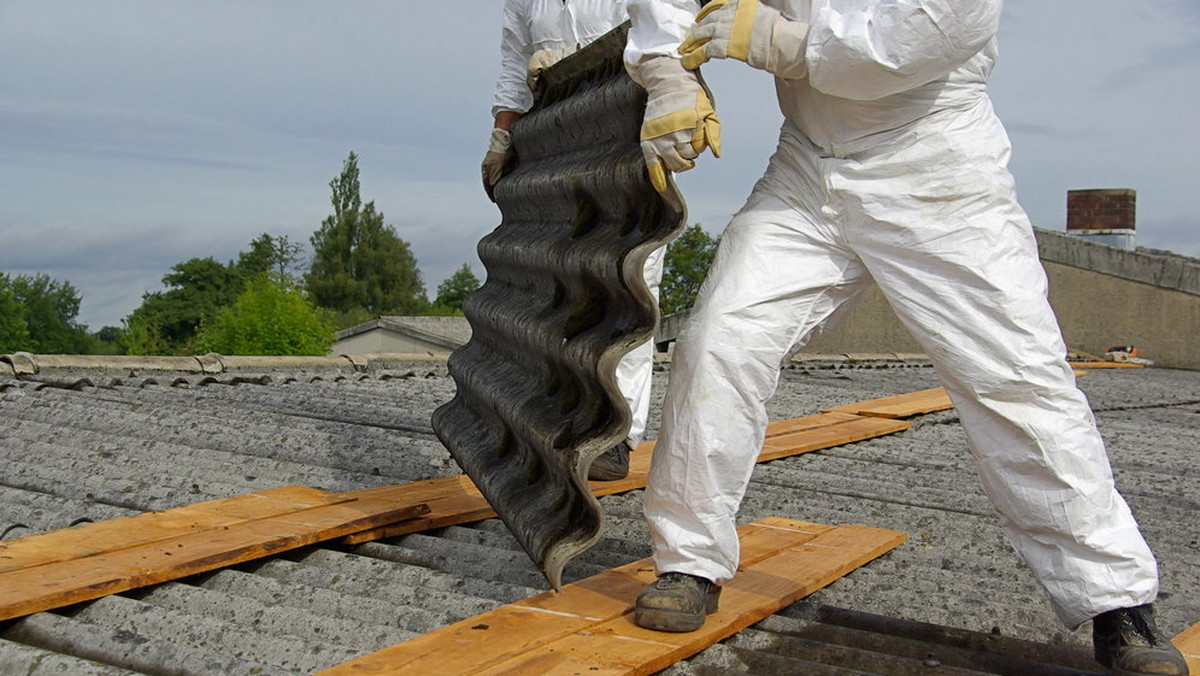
[(749, 31), (543, 59), (499, 152), (679, 122)]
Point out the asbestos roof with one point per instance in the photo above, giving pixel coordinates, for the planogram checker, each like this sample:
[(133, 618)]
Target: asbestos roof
[(96, 442), (449, 332)]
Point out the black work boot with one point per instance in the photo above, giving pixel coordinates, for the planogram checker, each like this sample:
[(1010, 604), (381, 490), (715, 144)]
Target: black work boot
[(612, 465), (1129, 644), (676, 602)]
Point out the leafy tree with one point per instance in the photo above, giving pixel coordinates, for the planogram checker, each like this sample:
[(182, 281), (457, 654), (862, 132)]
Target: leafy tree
[(358, 260), (352, 317), (197, 289), (109, 334), (278, 254), (452, 291), (271, 316), (14, 332), (108, 340), (48, 309), (141, 335), (687, 261)]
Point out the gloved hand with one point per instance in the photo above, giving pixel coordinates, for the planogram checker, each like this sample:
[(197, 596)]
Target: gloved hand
[(749, 31), (543, 59), (499, 152), (679, 122)]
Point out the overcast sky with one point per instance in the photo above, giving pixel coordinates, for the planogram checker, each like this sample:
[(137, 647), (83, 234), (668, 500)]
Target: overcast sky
[(137, 134)]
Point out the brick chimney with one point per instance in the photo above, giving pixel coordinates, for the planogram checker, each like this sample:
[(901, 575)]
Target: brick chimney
[(1107, 216)]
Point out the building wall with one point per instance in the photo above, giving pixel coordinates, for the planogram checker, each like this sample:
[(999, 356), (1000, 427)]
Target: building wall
[(871, 327), (1102, 295), (1096, 311)]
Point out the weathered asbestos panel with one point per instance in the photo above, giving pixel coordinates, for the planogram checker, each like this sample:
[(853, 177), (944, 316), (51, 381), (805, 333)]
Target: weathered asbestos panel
[(564, 300)]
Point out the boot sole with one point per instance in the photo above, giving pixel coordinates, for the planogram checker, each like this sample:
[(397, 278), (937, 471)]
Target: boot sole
[(675, 621), (663, 620)]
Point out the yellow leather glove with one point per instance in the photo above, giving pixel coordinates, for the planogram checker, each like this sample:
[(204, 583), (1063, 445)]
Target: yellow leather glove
[(749, 31), (679, 122)]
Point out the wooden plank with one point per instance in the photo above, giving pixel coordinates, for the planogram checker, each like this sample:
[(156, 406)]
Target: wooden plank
[(509, 631), (1106, 365), (759, 590), (114, 534), (783, 438), (856, 429), (1188, 643), (810, 422), (52, 585), (899, 406), (588, 629)]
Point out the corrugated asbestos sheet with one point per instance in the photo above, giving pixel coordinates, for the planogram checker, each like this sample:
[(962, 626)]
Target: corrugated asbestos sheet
[(564, 300)]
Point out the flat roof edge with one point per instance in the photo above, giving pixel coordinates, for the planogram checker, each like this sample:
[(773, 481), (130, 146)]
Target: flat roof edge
[(1164, 270)]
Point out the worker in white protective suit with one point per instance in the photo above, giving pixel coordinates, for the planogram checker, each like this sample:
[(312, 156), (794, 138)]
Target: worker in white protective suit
[(537, 34), (891, 166)]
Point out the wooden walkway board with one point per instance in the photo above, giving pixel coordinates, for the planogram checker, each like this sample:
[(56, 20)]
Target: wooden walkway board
[(899, 406), (1102, 364), (588, 627), (204, 538), (1189, 644), (455, 500), (107, 536), (846, 430), (62, 567)]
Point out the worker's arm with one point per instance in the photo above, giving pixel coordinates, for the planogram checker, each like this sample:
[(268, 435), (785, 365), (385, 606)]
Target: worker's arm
[(877, 49), (679, 121), (516, 47), (512, 97), (657, 27)]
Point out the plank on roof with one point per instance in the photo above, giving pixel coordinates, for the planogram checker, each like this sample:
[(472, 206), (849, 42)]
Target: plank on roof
[(1188, 643), (455, 500), (53, 584), (62, 567), (108, 536), (1106, 365), (899, 406), (588, 627)]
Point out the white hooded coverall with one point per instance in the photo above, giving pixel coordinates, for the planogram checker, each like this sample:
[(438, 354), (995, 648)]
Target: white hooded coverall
[(891, 167), (535, 25)]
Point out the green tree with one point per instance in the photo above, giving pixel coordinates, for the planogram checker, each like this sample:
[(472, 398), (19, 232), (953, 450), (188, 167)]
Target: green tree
[(197, 288), (49, 309), (14, 332), (269, 254), (141, 335), (452, 290), (108, 340), (684, 268), (271, 316), (358, 260)]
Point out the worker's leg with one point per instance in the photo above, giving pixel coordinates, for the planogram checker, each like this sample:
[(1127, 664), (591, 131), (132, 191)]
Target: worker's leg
[(955, 256), (636, 368), (776, 276)]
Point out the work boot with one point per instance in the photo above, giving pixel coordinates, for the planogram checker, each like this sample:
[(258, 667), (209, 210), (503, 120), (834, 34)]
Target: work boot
[(676, 602), (1127, 641), (612, 465)]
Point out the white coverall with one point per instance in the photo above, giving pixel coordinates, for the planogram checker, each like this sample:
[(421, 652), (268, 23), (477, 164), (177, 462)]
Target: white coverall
[(891, 167), (534, 25)]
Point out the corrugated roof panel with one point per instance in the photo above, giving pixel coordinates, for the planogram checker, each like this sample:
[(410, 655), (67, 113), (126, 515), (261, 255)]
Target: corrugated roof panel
[(956, 570), (564, 300)]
